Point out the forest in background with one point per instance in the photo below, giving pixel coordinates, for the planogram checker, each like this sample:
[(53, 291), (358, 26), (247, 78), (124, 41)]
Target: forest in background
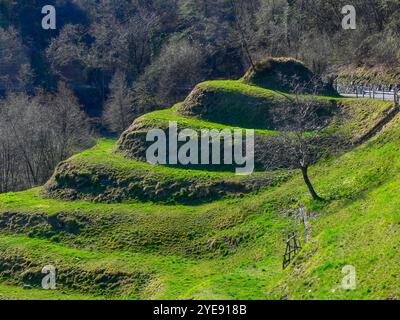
[(109, 62)]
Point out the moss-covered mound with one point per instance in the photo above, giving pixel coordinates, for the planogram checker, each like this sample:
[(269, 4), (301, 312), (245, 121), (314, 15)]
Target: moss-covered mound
[(352, 120), (133, 143), (103, 176), (20, 269), (121, 173), (280, 73), (233, 103)]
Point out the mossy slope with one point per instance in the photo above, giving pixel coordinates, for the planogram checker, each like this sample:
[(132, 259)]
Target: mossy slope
[(102, 175), (233, 103), (109, 173), (357, 225), (281, 73), (130, 239)]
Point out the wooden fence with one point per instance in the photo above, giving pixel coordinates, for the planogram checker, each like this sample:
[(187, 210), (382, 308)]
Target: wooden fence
[(293, 247)]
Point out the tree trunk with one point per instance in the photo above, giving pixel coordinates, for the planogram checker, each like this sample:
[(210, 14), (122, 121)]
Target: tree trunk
[(243, 39), (307, 180)]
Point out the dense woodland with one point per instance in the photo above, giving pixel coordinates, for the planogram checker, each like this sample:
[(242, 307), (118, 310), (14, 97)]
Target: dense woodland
[(110, 61)]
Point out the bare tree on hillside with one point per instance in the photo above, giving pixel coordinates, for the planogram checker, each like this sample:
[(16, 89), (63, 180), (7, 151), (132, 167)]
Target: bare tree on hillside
[(178, 68), (36, 133), (301, 142), (137, 37), (243, 15), (118, 113), (67, 122)]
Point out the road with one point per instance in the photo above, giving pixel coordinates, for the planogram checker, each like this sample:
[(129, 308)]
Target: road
[(378, 96)]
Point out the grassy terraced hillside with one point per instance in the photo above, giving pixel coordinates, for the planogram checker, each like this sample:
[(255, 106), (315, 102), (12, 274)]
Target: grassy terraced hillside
[(233, 103), (115, 173), (240, 242), (102, 175), (117, 227)]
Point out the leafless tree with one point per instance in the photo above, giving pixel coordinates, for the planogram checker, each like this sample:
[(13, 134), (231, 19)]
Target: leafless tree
[(243, 15), (301, 141), (14, 60), (68, 49), (137, 35), (178, 68), (119, 109), (36, 133)]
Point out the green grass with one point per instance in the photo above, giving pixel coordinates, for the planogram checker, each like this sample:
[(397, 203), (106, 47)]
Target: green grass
[(31, 201), (12, 292), (364, 235), (161, 119), (356, 117), (102, 155), (102, 175), (230, 248), (240, 87), (233, 103), (269, 73), (358, 226)]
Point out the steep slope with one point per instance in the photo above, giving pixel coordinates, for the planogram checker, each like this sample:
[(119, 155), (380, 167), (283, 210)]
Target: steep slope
[(102, 175), (283, 74), (233, 103), (358, 225), (107, 174), (117, 227)]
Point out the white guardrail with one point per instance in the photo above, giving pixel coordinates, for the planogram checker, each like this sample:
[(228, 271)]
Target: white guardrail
[(364, 92)]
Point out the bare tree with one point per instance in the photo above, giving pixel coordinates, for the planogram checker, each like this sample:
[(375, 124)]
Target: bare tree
[(119, 110), (137, 35), (67, 122), (36, 133), (14, 60), (68, 48), (301, 141), (242, 12), (178, 68)]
